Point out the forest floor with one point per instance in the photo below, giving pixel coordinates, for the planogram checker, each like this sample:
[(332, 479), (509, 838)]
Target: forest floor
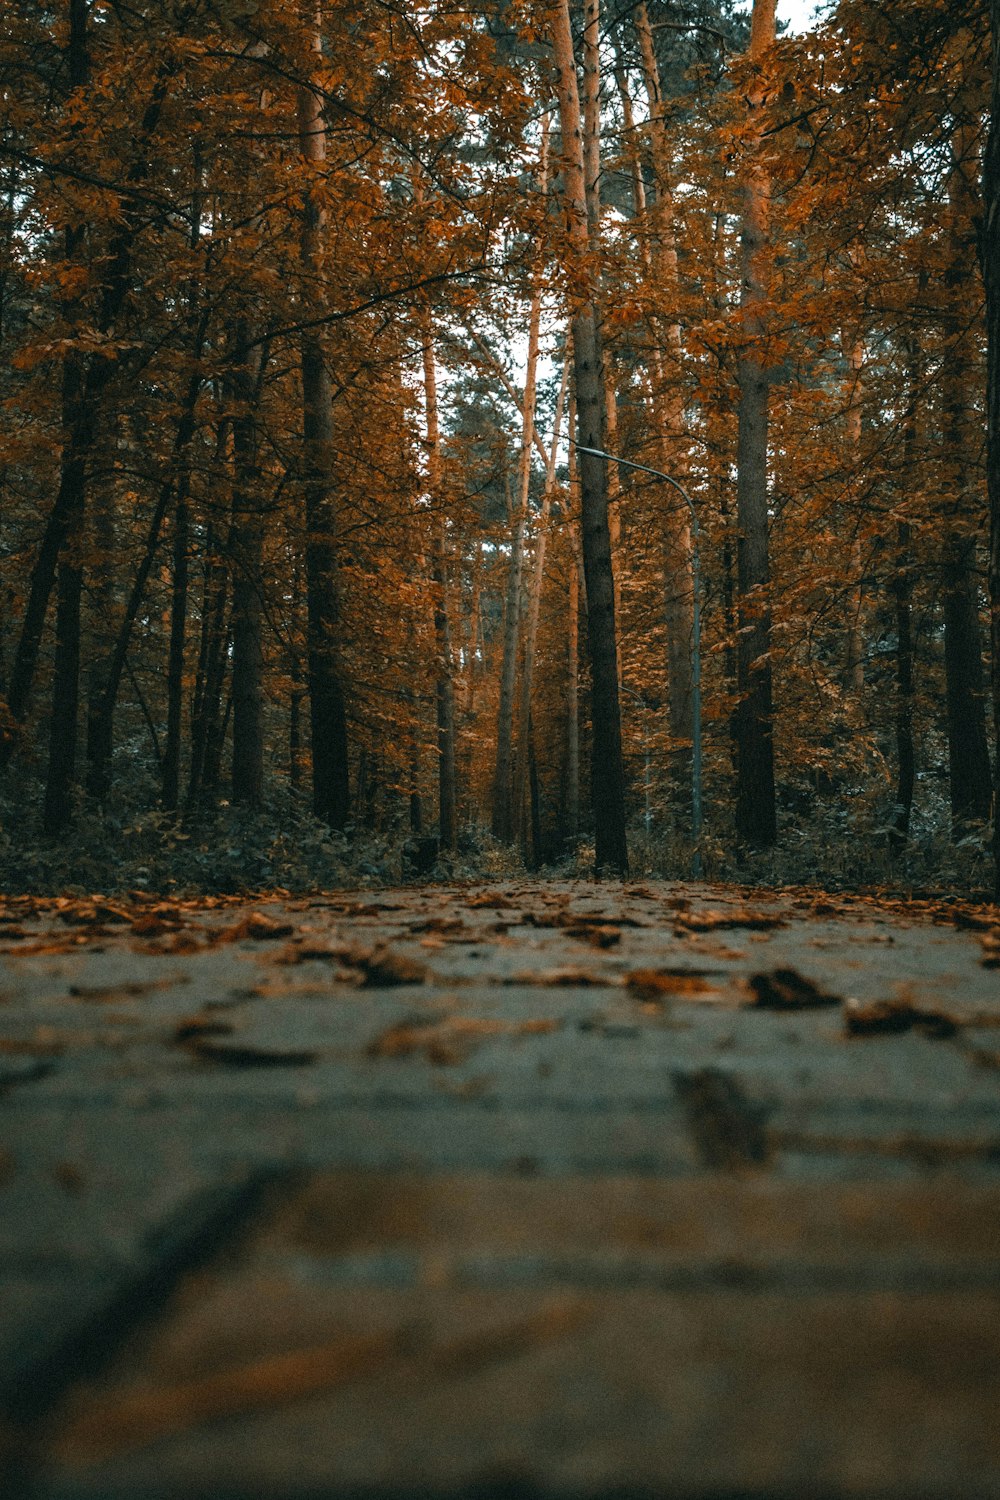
[(526, 1190)]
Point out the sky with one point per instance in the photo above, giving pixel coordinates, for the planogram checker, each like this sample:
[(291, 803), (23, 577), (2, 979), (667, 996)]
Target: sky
[(798, 13)]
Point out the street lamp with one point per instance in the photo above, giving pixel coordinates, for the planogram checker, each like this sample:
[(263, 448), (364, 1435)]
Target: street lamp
[(696, 753)]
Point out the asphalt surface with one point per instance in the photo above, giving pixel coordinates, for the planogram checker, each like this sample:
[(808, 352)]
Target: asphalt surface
[(525, 1190)]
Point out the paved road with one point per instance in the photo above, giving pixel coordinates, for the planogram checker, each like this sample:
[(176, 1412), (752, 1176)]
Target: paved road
[(527, 1190)]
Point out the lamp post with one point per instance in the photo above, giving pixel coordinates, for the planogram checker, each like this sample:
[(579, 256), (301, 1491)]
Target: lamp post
[(696, 751)]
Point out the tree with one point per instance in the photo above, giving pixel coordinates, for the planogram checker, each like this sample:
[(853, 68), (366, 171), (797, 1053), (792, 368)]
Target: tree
[(607, 773)]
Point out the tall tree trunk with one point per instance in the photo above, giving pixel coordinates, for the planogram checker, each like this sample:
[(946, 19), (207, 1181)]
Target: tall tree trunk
[(969, 757), (524, 748), (246, 550), (445, 689), (990, 259), (503, 817), (572, 799), (171, 768), (854, 663), (902, 592), (668, 417), (905, 751), (206, 707), (63, 557), (328, 714), (170, 782), (968, 752), (607, 771), (756, 813)]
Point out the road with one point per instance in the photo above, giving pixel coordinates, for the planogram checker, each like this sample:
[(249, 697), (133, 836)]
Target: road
[(520, 1190)]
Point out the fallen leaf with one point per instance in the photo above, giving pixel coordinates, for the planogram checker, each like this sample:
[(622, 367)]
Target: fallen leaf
[(197, 1026), (714, 921), (128, 991), (258, 926), (654, 984), (787, 989), (247, 1054), (598, 935), (382, 968), (991, 948), (567, 974), (891, 1017)]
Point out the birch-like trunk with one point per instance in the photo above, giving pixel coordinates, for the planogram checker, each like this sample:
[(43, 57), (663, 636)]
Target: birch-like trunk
[(529, 845), (503, 819)]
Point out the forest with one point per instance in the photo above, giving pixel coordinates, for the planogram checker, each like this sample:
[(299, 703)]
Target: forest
[(441, 437)]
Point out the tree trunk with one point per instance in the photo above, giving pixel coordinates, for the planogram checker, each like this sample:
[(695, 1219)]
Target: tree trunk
[(968, 752), (668, 417), (503, 815), (990, 259), (905, 750), (445, 690), (328, 714), (170, 784), (969, 757), (607, 771), (854, 662), (246, 550), (572, 799), (756, 814), (207, 706), (79, 430), (171, 768), (524, 748)]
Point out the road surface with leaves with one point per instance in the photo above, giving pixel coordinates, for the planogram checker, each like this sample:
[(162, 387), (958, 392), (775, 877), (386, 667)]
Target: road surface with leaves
[(536, 1188)]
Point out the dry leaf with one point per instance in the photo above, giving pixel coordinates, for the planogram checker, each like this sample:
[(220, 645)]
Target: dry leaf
[(714, 921), (655, 984), (787, 989), (891, 1017), (248, 1054)]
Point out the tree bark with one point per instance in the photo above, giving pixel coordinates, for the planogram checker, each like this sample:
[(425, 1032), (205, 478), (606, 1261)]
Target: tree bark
[(572, 800), (854, 663), (503, 813), (445, 687), (607, 771), (668, 416), (990, 260), (968, 749), (525, 825), (328, 714), (246, 550), (79, 428), (756, 813), (206, 708)]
